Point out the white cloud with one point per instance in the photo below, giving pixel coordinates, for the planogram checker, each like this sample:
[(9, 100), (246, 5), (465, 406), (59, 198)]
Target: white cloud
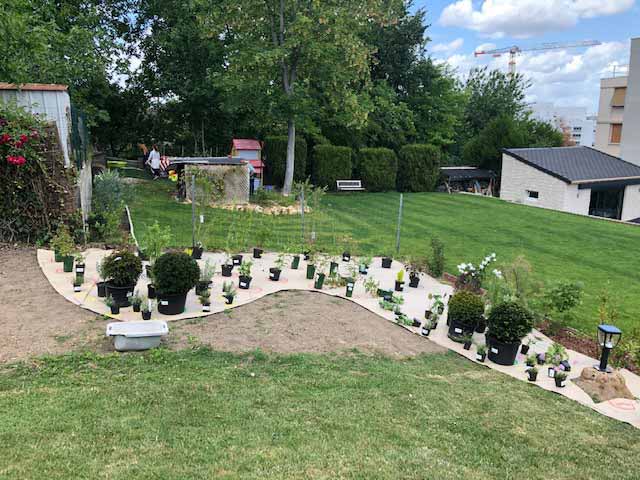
[(526, 18), (485, 46), (562, 77), (448, 48)]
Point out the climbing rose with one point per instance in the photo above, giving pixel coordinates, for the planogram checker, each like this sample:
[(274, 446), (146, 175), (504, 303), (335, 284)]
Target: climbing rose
[(5, 138), (16, 160)]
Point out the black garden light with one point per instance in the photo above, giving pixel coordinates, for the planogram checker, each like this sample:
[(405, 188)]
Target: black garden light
[(608, 338)]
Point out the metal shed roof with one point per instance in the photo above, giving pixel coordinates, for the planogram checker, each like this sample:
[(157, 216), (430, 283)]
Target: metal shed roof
[(576, 164), (246, 144), (466, 173)]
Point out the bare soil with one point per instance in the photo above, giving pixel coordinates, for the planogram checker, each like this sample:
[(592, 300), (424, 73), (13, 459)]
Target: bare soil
[(36, 320)]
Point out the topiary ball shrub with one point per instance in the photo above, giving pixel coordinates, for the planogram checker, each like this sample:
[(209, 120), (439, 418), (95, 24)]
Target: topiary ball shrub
[(466, 310), (122, 269), (509, 322), (175, 273)]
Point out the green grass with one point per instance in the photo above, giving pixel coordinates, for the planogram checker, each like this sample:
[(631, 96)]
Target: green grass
[(200, 414), (559, 246)]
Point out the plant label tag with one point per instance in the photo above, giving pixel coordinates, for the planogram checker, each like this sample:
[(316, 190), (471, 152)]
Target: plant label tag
[(551, 373), (206, 308), (201, 218), (478, 356), (80, 270), (76, 289), (129, 294), (562, 383), (164, 302), (494, 350), (457, 330), (243, 284)]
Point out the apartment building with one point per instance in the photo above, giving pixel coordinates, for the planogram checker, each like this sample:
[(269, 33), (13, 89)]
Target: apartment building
[(575, 121)]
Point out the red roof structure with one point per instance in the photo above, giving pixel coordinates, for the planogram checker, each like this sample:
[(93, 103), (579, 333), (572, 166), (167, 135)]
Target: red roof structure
[(246, 144)]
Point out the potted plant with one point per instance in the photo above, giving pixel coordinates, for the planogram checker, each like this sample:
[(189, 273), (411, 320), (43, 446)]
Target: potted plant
[(560, 379), (351, 283), (417, 266), (295, 261), (333, 266), (524, 349), (346, 256), (311, 268), (206, 276), (146, 308), (466, 309), (508, 323), (122, 269), (101, 285), (426, 328), (174, 273), (467, 342), (320, 274), (227, 266), (205, 300), (399, 281), (112, 304), (276, 270), (532, 373), (530, 362), (363, 266), (228, 292), (77, 283), (437, 303), (197, 250), (386, 261), (540, 358), (62, 244), (80, 267), (236, 260), (244, 281), (156, 239), (262, 235), (371, 286), (481, 353), (136, 302)]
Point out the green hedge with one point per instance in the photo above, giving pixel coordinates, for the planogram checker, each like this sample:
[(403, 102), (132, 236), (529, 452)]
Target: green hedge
[(419, 167), (275, 159), (377, 168), (331, 163)]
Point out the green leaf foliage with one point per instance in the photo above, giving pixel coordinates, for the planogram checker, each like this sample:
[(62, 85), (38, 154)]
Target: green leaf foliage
[(419, 167), (509, 322), (467, 309), (275, 159), (122, 268), (175, 273), (331, 163), (377, 168)]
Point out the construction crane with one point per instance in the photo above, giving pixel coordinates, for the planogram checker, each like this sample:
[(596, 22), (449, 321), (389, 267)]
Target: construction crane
[(515, 50)]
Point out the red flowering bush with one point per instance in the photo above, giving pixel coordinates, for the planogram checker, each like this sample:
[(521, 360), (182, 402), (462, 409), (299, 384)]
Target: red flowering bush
[(19, 137)]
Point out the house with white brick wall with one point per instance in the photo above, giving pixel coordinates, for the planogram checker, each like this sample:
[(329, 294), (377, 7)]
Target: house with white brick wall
[(579, 180)]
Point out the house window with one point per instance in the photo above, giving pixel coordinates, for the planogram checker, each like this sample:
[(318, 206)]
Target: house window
[(619, 93), (532, 195), (616, 133)]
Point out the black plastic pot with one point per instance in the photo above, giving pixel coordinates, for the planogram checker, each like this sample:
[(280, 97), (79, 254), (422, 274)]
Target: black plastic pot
[(467, 345), (136, 308), (350, 285), (424, 331), (196, 253), (416, 323), (414, 280), (311, 272), (399, 286), (524, 349), (206, 307), (146, 315), (77, 286), (333, 266), (171, 304), (481, 327), (458, 330), (363, 269), (257, 252), (540, 358), (244, 282), (306, 255), (236, 259), (386, 262), (428, 314), (201, 286), (566, 365), (560, 383), (120, 295), (67, 264), (102, 289), (80, 269), (440, 309), (533, 375), (226, 270), (274, 274), (481, 357), (295, 262), (319, 281), (502, 353), (115, 309), (229, 299), (346, 256), (151, 290), (149, 271)]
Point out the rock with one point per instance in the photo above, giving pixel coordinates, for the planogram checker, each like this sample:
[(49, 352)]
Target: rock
[(601, 386)]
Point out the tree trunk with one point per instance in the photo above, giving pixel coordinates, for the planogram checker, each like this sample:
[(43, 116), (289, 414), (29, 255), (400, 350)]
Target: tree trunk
[(291, 147)]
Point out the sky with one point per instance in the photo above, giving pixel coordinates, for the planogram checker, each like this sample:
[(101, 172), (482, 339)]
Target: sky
[(565, 77)]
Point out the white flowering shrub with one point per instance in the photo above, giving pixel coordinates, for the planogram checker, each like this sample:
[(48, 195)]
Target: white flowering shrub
[(471, 277)]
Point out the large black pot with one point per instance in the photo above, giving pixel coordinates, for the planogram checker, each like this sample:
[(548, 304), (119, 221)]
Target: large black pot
[(226, 270), (457, 330), (121, 295), (171, 304), (244, 282), (102, 289), (386, 262), (196, 253), (502, 353), (202, 286)]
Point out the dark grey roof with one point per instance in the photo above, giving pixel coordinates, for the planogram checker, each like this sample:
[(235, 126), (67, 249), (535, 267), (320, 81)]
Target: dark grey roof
[(205, 160), (466, 173), (576, 164)]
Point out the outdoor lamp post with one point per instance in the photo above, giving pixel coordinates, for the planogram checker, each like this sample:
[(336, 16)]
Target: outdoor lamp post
[(608, 338)]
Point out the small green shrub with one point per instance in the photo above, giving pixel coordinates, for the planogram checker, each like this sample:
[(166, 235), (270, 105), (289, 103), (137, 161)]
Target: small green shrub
[(436, 262), (122, 268), (509, 322), (108, 191), (466, 308), (377, 168), (331, 163), (62, 243), (175, 273), (275, 159), (419, 168)]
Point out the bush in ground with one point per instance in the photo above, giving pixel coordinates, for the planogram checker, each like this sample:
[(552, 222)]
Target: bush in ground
[(509, 322), (275, 159), (122, 268), (436, 262), (419, 167), (175, 273), (331, 163), (378, 168), (466, 308)]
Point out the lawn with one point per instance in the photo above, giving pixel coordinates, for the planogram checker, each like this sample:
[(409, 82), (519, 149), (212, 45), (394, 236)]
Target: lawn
[(559, 246), (202, 414)]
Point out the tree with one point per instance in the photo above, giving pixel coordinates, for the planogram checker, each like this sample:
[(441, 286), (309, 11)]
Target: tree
[(298, 60)]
